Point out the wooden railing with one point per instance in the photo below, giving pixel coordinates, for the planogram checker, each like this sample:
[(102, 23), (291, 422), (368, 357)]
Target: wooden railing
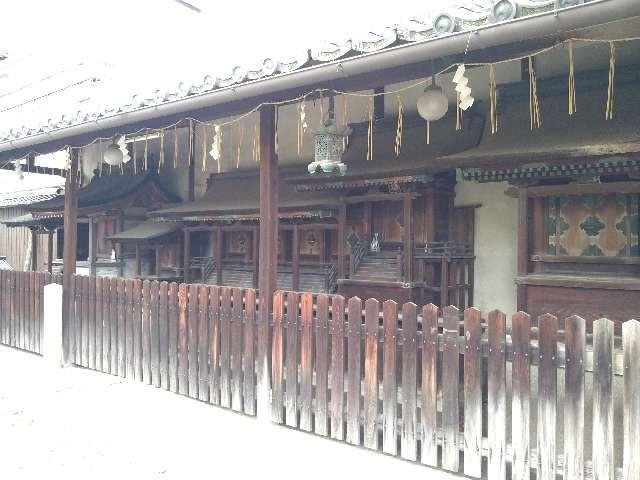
[(425, 384), (358, 250)]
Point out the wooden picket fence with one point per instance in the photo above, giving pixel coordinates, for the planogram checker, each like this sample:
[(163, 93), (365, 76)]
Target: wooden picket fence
[(486, 396), (195, 340), (435, 389), (21, 308)]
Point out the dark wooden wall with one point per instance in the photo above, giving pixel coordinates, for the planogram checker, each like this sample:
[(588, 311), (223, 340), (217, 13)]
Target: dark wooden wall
[(14, 242)]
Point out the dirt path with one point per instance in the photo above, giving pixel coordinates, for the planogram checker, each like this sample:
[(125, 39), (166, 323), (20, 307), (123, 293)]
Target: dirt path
[(74, 423)]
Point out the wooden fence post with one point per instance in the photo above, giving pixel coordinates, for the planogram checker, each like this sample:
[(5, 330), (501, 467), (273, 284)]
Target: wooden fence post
[(69, 253)]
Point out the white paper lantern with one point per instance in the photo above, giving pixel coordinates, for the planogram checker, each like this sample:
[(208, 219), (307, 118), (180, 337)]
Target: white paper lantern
[(113, 155), (433, 104)]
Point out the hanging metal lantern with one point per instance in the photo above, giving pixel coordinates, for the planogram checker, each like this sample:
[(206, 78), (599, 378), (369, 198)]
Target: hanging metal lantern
[(328, 148)]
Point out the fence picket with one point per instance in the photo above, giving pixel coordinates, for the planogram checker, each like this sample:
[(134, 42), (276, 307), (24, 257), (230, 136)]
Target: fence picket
[(203, 345), (163, 334), (192, 332), (225, 334), (183, 360), (172, 333), (497, 398), (354, 312), (631, 399), (109, 347), (146, 332), (603, 348), (236, 350), (520, 406), (137, 330), (336, 404), (248, 357), (547, 398), (409, 445), (86, 320), (3, 307), (122, 301), (91, 320), (574, 398), (129, 327), (113, 326), (154, 332), (277, 401), (291, 361), (450, 375), (322, 371), (306, 361), (472, 394), (372, 312), (99, 324), (214, 340), (428, 418)]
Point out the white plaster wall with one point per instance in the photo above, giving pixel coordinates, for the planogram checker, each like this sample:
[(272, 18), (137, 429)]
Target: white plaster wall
[(496, 225)]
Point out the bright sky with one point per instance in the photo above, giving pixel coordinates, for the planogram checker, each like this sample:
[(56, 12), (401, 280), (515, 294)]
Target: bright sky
[(162, 37)]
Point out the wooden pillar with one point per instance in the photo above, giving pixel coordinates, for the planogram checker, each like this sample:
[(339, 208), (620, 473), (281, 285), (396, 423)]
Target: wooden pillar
[(408, 247), (34, 250), (70, 247), (255, 243), (341, 240), (430, 217), (93, 238), (322, 246), (295, 257), (217, 253), (138, 261), (539, 230), (50, 251), (267, 276), (192, 163), (366, 222), (187, 254), (523, 243)]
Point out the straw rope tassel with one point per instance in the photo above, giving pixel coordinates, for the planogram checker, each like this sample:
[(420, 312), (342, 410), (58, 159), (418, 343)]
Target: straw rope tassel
[(134, 158), (256, 143), (161, 159), (239, 147), (175, 147), (219, 143), (100, 160), (398, 145), (572, 81), (458, 113), (146, 153), (370, 132), (493, 99), (204, 147), (427, 133), (535, 119), (345, 122), (608, 114)]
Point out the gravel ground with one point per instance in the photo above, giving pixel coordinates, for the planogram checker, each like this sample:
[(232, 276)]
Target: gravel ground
[(73, 423)]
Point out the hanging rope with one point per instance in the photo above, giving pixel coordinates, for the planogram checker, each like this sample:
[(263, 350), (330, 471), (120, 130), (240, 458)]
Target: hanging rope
[(608, 114), (345, 122), (256, 139), (239, 145), (572, 82), (398, 145), (204, 148), (458, 113), (100, 161), (161, 159), (146, 153), (175, 146), (218, 130), (493, 99), (134, 158), (370, 132), (191, 145), (535, 120), (427, 133)]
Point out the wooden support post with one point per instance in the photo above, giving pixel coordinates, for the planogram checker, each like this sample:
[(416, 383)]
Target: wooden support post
[(138, 261), (523, 243), (408, 246), (34, 250), (70, 247), (341, 240), (322, 246), (430, 217), (187, 254), (192, 163), (295, 247), (50, 251), (366, 222), (217, 253), (540, 234), (267, 277), (255, 243), (92, 247)]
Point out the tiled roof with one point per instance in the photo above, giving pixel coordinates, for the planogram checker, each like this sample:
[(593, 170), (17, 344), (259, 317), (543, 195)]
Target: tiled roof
[(145, 231), (28, 197), (461, 16)]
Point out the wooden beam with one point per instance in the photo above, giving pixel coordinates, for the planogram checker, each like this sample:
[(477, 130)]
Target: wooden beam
[(69, 249), (187, 254), (255, 244), (523, 243), (583, 189), (379, 197), (407, 254), (192, 162), (50, 251), (267, 276), (295, 258), (341, 239)]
